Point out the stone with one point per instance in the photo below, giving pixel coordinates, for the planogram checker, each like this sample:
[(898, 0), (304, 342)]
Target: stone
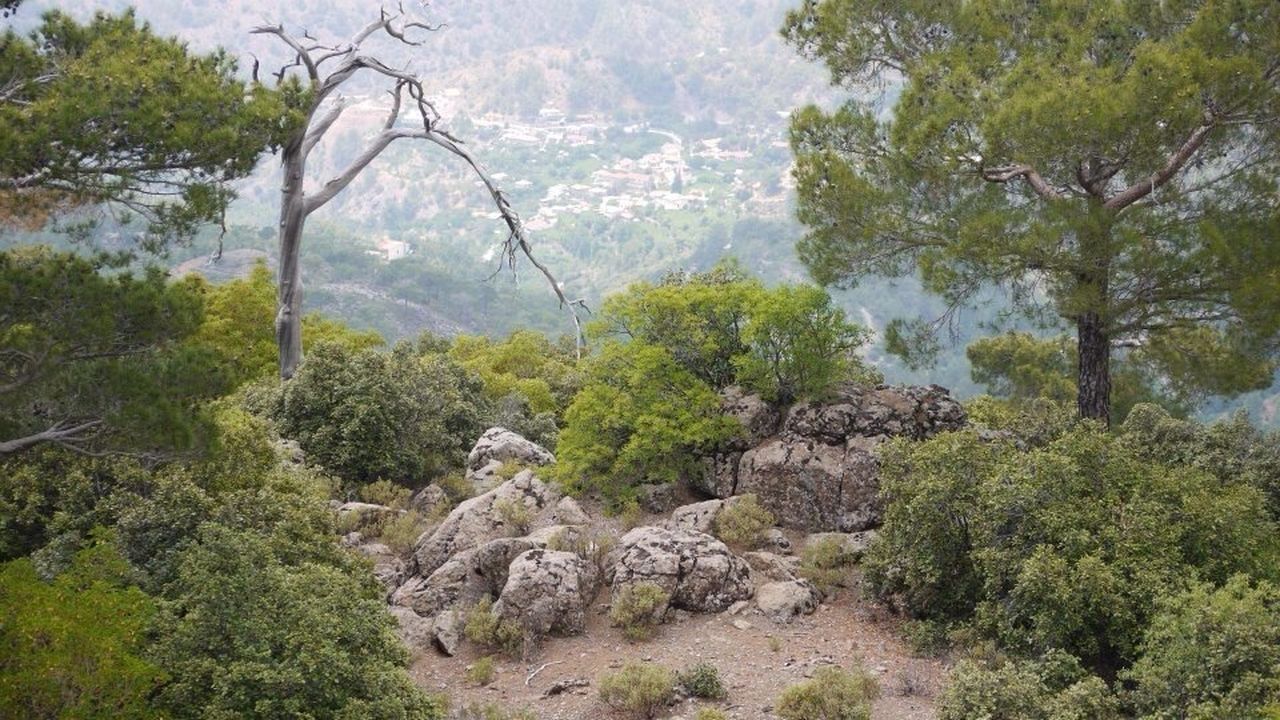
[(429, 499), (656, 498), (502, 445), (696, 517), (697, 571), (758, 417), (366, 512), (774, 540), (464, 579), (783, 602), (772, 566), (447, 628), (547, 592), (415, 631), (476, 521)]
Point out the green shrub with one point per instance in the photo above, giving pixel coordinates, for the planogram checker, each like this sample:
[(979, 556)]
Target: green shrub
[(703, 681), (638, 609), (1064, 546), (482, 671), (74, 647), (832, 694), (483, 627), (710, 714), (515, 516), (508, 470), (1054, 688), (742, 522), (401, 532), (385, 492), (639, 689), (456, 487), (826, 563), (1211, 653)]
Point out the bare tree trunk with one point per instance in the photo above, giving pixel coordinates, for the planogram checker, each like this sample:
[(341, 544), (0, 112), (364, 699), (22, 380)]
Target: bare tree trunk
[(1093, 381), (289, 301)]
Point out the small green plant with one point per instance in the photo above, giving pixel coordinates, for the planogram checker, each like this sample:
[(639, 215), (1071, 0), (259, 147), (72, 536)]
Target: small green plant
[(926, 638), (508, 470), (482, 671), (639, 689), (594, 548), (401, 532), (825, 563), (638, 609), (630, 514), (710, 714), (514, 515), (385, 492), (832, 694), (456, 486), (484, 627), (742, 522), (775, 643), (703, 681)]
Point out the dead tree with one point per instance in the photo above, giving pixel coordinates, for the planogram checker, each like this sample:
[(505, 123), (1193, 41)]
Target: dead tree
[(325, 68)]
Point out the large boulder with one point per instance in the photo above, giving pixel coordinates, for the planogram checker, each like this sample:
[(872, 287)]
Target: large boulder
[(697, 571), (499, 445), (697, 517), (547, 592), (464, 579), (785, 601), (482, 518), (821, 471)]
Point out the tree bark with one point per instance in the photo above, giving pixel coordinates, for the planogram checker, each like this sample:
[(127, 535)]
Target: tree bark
[(1093, 380), (289, 301)]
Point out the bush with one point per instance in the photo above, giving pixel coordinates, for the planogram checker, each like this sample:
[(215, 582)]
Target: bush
[(482, 672), (1064, 546), (639, 689), (74, 647), (401, 532), (1211, 653), (703, 681), (483, 627), (638, 609), (710, 714), (385, 492), (832, 694), (1055, 688), (826, 563), (515, 516), (742, 522), (371, 414)]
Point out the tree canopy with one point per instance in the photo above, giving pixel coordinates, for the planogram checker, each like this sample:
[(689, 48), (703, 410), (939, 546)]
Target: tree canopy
[(1112, 165), (109, 112)]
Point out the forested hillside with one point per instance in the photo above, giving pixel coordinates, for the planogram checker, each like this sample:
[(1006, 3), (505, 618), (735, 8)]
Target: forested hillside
[(569, 360)]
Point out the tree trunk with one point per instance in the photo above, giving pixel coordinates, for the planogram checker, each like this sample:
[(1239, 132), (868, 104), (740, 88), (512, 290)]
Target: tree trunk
[(1093, 381), (289, 302)]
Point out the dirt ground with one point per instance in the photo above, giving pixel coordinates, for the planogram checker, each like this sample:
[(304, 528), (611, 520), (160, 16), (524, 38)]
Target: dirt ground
[(847, 631)]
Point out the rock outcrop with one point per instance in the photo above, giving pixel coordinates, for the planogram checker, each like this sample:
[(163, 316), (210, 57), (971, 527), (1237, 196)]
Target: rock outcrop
[(819, 469), (697, 571), (498, 446), (481, 519), (547, 592)]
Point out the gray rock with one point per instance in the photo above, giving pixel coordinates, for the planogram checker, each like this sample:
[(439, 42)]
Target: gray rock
[(548, 592), (464, 579), (759, 418), (698, 572), (367, 512), (697, 517), (774, 540), (785, 601), (656, 498), (429, 499), (476, 521), (415, 631), (446, 630), (771, 566), (502, 445)]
